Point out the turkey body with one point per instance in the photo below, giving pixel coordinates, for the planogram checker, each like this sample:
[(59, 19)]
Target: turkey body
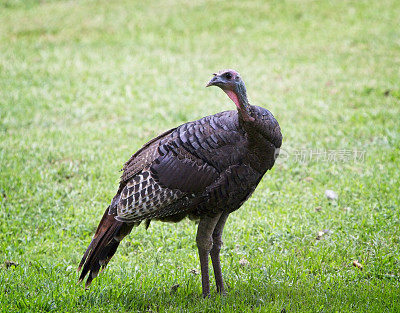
[(203, 169)]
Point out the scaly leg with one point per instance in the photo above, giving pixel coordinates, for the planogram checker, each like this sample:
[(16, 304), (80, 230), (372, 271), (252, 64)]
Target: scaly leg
[(216, 248), (204, 244)]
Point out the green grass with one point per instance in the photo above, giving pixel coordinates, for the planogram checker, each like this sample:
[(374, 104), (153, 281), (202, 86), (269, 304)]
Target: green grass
[(83, 84)]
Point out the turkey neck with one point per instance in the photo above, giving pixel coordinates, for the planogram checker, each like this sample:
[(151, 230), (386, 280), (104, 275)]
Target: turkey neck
[(239, 97), (243, 105)]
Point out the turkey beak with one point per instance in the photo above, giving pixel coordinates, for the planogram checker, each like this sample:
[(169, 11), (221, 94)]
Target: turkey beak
[(214, 81)]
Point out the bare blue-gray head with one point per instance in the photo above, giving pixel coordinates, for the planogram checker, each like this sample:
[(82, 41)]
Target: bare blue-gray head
[(233, 85)]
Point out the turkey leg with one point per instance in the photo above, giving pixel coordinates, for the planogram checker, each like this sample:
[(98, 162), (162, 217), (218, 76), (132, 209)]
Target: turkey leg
[(204, 242), (216, 248)]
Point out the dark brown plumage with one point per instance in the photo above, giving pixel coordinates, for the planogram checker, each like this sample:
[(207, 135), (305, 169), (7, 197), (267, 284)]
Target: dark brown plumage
[(204, 169)]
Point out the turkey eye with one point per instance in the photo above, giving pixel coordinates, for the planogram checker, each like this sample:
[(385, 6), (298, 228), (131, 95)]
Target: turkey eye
[(228, 75)]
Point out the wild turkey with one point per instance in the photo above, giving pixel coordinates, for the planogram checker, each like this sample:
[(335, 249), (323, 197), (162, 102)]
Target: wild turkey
[(204, 169)]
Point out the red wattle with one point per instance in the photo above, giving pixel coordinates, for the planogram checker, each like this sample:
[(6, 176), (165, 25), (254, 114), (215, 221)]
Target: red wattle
[(233, 97)]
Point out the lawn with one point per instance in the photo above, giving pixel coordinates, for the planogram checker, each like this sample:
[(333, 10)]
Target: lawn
[(84, 84)]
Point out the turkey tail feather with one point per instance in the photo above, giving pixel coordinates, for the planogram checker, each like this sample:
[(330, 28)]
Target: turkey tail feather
[(101, 249)]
